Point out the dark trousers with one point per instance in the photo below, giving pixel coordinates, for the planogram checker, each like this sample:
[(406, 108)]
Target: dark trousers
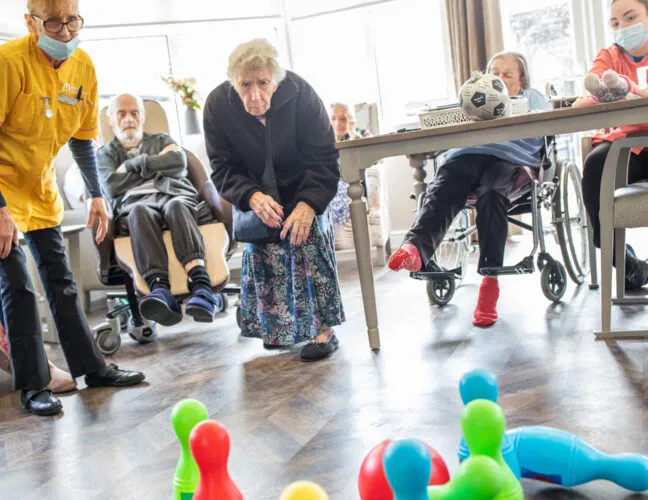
[(593, 174), (28, 359), (486, 176), (145, 221)]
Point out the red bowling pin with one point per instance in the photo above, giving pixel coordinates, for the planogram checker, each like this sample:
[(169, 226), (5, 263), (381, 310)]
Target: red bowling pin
[(210, 446)]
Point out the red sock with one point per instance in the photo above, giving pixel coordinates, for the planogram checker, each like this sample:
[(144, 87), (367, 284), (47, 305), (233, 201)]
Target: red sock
[(486, 310), (4, 346), (406, 257)]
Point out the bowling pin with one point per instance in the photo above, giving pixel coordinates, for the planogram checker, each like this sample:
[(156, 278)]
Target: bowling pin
[(558, 457), (184, 417), (407, 464), (210, 445), (477, 478), (304, 490), (483, 424), (482, 384)]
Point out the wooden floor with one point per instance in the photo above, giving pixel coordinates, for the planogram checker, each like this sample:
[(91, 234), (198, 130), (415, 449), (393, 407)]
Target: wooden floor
[(289, 420)]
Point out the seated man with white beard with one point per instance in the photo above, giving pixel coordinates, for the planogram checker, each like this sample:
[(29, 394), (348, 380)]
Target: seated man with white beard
[(145, 178)]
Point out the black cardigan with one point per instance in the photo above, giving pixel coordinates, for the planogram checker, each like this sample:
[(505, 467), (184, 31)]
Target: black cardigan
[(306, 162)]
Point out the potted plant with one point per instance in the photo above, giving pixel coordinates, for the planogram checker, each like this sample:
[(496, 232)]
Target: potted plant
[(185, 88)]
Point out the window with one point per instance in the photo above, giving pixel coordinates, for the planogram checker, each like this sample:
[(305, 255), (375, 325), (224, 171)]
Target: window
[(332, 53), (543, 31), (299, 8), (412, 58), (393, 53)]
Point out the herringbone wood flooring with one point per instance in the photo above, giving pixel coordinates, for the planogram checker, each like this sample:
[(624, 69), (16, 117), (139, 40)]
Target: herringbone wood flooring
[(289, 420)]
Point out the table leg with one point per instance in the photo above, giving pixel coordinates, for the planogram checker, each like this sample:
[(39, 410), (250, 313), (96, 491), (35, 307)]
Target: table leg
[(417, 162), (363, 255)]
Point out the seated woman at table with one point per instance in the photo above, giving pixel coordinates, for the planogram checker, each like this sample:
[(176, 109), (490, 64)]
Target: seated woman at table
[(628, 22), (487, 171)]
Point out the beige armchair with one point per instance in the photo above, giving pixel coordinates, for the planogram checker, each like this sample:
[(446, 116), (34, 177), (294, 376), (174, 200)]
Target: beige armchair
[(622, 206)]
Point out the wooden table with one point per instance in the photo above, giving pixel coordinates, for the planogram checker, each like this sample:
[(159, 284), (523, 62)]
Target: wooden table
[(357, 155)]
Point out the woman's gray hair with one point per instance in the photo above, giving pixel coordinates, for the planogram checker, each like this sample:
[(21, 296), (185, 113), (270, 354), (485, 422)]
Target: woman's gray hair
[(525, 77), (255, 54), (347, 109), (112, 106)]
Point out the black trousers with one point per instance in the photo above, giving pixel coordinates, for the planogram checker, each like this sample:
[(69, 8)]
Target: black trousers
[(28, 359), (145, 221), (486, 176), (593, 174)]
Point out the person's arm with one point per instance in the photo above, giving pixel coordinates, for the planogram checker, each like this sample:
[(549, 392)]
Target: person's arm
[(10, 85), (170, 163), (320, 159), (228, 172), (115, 182), (84, 156)]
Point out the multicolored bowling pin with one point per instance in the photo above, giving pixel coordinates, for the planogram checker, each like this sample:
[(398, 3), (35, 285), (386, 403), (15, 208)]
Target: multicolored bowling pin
[(185, 416), (483, 424), (477, 478), (210, 445), (304, 490), (482, 384), (562, 458), (408, 464)]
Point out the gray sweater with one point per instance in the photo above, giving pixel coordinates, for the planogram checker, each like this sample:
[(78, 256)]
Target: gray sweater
[(145, 167)]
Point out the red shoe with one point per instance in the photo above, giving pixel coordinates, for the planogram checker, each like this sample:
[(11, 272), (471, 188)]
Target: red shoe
[(406, 257), (486, 310)]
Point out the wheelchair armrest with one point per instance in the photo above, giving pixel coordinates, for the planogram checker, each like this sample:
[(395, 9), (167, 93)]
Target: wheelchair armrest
[(221, 209)]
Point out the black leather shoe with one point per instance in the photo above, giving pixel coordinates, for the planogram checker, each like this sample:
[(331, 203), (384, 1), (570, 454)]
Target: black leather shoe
[(114, 377), (41, 402), (314, 351)]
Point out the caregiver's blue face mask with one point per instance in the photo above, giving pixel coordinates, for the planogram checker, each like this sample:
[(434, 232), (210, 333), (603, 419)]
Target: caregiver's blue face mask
[(59, 51), (631, 38)]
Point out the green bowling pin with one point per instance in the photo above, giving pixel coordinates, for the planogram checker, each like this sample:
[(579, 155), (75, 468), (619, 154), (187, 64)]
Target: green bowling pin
[(477, 478), (483, 424), (185, 416)]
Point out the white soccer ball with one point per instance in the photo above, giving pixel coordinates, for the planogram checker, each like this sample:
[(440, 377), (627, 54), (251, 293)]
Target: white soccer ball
[(484, 97)]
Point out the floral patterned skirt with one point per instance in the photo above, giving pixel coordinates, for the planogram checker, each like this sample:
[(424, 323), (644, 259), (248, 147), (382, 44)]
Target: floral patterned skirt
[(289, 294)]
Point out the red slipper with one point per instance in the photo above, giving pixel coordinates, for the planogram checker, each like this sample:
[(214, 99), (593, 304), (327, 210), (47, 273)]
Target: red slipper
[(406, 257)]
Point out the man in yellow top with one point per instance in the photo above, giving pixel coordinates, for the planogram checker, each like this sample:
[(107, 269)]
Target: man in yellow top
[(48, 97)]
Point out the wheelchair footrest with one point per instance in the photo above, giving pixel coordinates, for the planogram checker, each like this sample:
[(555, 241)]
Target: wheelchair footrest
[(448, 274), (525, 266)]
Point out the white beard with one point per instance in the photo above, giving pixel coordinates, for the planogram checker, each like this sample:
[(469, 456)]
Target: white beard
[(128, 138)]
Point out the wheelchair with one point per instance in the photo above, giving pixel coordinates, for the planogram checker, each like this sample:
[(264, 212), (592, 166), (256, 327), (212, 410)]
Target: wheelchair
[(116, 264), (555, 187)]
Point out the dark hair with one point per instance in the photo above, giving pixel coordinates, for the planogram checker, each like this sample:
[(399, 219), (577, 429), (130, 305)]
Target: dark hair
[(525, 78), (642, 2)]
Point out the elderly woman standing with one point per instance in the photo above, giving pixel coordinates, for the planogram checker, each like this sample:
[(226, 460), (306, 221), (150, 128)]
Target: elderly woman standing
[(488, 171), (289, 288)]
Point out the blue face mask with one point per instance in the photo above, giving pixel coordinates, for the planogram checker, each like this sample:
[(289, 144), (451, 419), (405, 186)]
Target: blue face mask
[(59, 51), (631, 38)]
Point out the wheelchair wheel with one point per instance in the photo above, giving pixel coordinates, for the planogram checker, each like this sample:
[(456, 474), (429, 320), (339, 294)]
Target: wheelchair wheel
[(108, 340), (440, 291), (225, 304), (553, 280), (452, 254), (143, 334), (569, 208), (239, 318)]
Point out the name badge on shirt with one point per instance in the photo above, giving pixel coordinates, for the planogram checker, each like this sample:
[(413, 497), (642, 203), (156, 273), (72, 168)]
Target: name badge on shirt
[(66, 99)]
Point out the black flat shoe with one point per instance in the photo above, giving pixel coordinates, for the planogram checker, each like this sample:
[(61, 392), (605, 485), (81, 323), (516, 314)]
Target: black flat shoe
[(314, 351), (114, 377), (41, 402)]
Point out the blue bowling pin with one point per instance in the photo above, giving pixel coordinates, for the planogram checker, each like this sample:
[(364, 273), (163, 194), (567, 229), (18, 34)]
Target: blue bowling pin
[(482, 384), (562, 458), (552, 455), (408, 466)]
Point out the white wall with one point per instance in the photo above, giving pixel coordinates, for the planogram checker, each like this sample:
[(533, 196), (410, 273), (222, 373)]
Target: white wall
[(12, 21)]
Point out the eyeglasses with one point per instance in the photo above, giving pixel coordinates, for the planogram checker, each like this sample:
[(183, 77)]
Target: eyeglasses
[(55, 26)]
